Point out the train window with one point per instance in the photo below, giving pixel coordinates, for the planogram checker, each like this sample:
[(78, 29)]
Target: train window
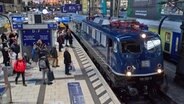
[(151, 44), (98, 36), (90, 30), (115, 47), (83, 27), (167, 37), (103, 40), (87, 30), (93, 33), (130, 46)]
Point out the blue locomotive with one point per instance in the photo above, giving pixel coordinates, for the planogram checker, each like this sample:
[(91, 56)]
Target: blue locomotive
[(128, 55)]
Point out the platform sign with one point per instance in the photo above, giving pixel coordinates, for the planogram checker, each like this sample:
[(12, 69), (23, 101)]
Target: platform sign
[(17, 19), (1, 8), (75, 92), (71, 8), (17, 26), (52, 26), (63, 9), (30, 36)]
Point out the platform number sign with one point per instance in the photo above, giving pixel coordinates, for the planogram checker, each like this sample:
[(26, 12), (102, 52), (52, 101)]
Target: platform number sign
[(71, 8), (1, 8)]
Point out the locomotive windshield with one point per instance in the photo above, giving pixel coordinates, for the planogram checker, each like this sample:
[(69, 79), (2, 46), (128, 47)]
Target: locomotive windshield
[(130, 46), (152, 44)]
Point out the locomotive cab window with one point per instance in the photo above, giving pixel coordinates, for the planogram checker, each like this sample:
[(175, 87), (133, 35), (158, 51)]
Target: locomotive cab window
[(130, 47)]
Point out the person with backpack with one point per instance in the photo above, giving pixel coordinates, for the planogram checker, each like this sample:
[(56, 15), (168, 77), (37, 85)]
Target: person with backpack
[(20, 67), (45, 68)]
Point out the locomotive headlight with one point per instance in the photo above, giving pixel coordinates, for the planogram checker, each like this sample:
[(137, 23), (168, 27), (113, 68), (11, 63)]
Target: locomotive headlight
[(143, 35), (159, 70), (128, 73)]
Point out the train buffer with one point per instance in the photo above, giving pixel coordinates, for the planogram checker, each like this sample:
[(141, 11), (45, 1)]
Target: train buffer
[(85, 85)]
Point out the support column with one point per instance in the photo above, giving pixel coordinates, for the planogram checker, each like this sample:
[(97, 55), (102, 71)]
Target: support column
[(179, 77), (115, 6)]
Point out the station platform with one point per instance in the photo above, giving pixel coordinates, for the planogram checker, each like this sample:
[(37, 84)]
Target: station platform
[(84, 86), (175, 91)]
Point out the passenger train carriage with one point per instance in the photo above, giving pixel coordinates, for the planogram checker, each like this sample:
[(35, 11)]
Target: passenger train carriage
[(130, 57)]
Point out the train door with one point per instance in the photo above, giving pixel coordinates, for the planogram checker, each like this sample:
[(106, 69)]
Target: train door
[(175, 46), (109, 50)]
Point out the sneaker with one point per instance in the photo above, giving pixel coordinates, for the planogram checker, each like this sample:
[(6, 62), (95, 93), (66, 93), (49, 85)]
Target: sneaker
[(57, 65)]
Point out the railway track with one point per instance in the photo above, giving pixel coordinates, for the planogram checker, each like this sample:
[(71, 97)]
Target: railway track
[(158, 97)]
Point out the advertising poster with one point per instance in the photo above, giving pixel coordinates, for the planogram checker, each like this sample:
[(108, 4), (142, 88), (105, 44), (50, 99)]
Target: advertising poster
[(145, 9), (30, 36)]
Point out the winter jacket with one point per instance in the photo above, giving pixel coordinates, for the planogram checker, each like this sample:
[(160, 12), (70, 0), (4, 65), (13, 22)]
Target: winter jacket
[(15, 48), (54, 52), (20, 66), (67, 57)]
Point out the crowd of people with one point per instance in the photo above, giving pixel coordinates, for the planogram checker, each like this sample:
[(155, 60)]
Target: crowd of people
[(40, 53)]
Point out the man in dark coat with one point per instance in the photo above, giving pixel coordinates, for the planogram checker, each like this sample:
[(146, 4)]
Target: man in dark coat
[(4, 40), (67, 61), (70, 38), (60, 40), (12, 38), (16, 48), (6, 58)]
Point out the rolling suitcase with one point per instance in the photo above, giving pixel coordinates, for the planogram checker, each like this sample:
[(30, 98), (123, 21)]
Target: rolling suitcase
[(50, 75)]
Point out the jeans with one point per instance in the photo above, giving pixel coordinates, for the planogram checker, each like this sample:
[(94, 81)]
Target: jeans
[(44, 72)]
